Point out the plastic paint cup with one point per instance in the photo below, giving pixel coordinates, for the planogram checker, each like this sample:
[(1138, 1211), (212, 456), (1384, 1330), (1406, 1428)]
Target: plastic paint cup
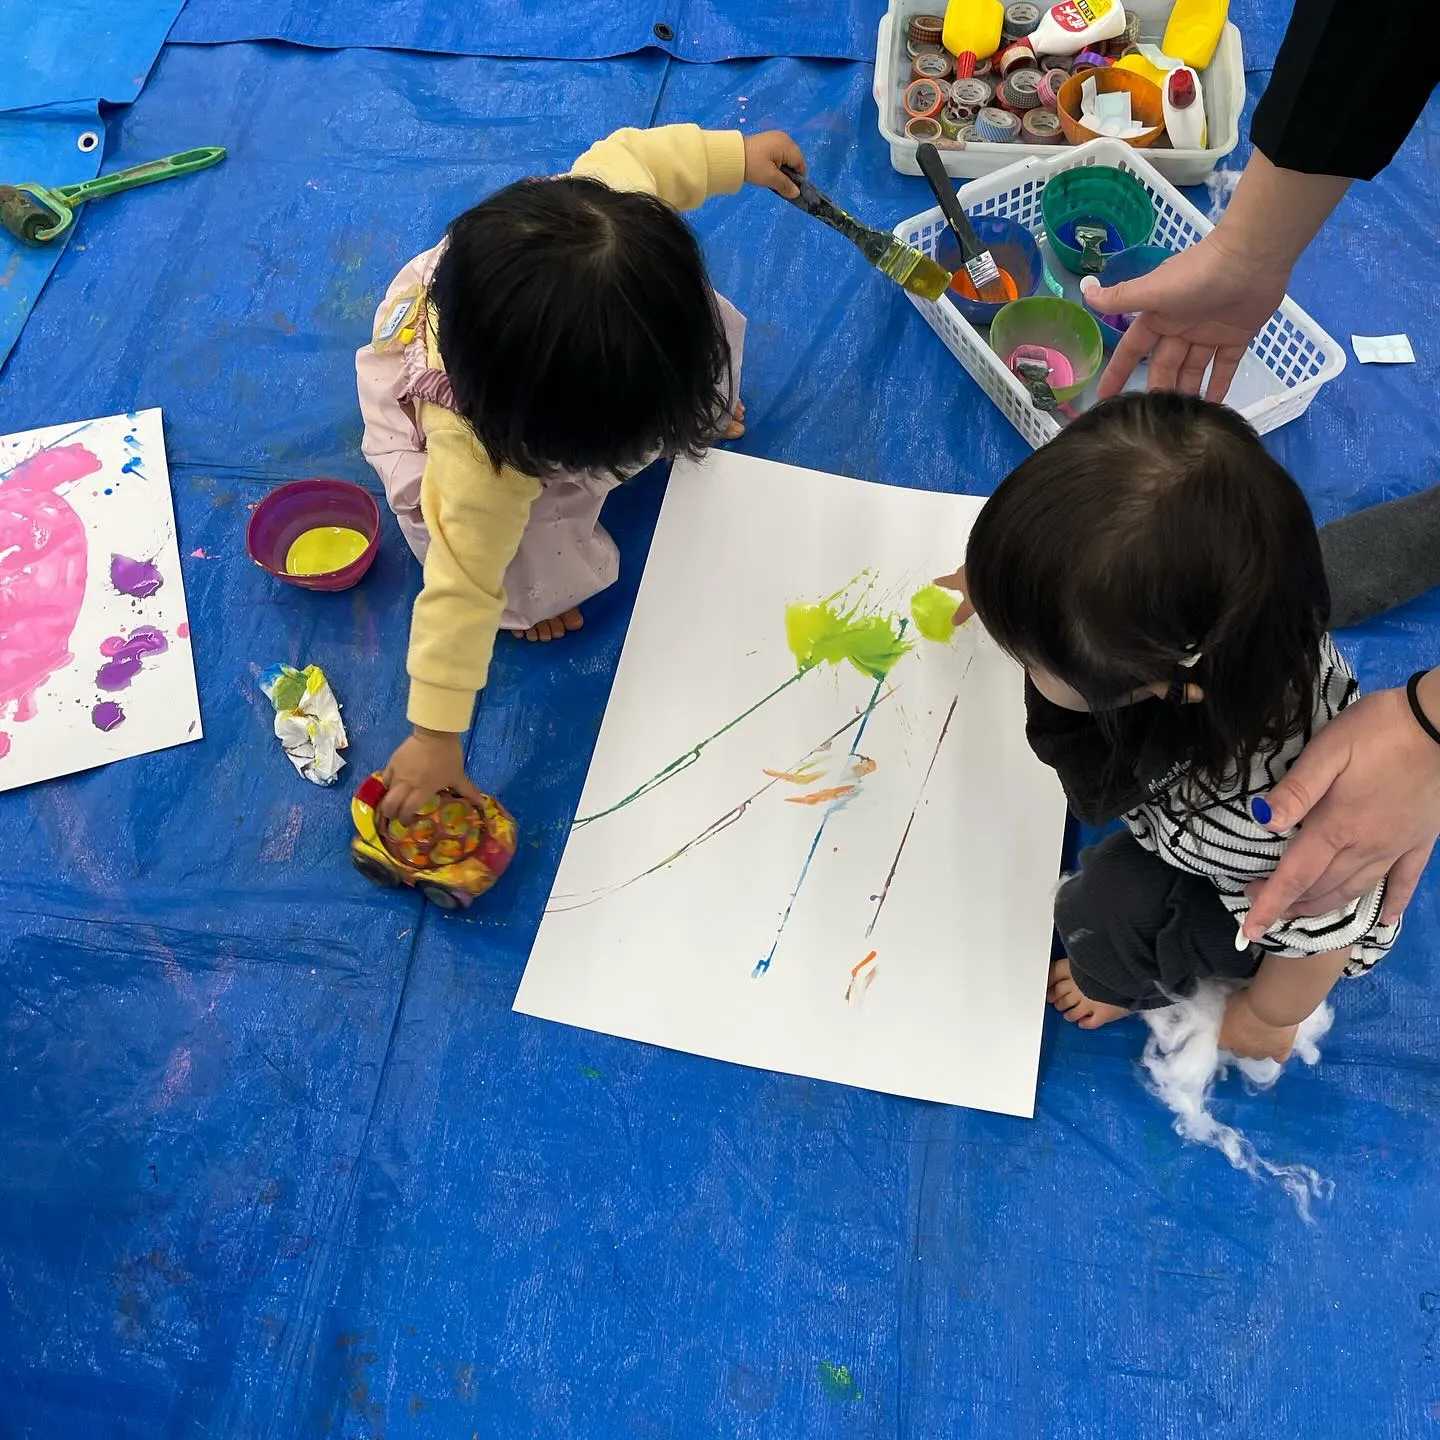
[(1100, 195), (1015, 252), (1128, 265), (1056, 325), (1147, 104), (287, 513)]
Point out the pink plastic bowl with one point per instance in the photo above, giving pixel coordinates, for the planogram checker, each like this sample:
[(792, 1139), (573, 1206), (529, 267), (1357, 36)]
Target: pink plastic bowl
[(287, 513)]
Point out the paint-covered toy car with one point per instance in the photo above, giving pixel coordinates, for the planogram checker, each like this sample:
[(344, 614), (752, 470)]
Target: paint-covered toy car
[(452, 852)]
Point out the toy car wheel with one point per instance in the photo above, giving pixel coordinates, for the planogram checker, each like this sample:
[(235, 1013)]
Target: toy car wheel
[(444, 899), (372, 869)]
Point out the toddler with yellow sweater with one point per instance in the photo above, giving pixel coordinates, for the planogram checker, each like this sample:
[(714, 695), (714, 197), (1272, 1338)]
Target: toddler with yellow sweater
[(561, 337)]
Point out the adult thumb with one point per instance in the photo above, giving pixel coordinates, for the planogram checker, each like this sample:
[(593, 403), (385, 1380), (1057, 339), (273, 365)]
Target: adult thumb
[(1310, 777), (1126, 298)]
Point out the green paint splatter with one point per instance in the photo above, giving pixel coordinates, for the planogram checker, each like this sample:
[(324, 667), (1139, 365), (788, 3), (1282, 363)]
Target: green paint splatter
[(826, 633), (837, 1382), (589, 1072), (933, 611)]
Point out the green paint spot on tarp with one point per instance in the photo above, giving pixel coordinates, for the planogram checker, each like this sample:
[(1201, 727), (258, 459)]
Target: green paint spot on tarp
[(837, 1381), (933, 611), (825, 633), (590, 1072)]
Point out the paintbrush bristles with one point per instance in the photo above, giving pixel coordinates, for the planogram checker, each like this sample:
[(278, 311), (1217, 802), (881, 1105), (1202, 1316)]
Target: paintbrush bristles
[(914, 271)]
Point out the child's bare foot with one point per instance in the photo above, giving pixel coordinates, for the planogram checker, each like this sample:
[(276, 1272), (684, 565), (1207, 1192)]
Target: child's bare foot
[(555, 629), (1075, 1005), (736, 427)]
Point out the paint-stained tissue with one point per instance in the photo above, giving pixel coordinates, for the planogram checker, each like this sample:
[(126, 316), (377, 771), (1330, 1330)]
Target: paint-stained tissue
[(95, 663), (307, 720)]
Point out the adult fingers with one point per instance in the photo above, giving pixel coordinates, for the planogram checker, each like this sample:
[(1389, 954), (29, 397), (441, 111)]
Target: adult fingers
[(1304, 786), (1193, 367), (1134, 346), (1170, 354), (1304, 861), (1227, 362), (1404, 877)]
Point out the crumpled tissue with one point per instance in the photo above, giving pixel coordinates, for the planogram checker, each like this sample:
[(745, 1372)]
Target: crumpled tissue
[(1108, 112), (307, 720)]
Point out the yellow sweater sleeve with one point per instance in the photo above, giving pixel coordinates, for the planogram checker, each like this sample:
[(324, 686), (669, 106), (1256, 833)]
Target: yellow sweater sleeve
[(476, 515), (682, 164)]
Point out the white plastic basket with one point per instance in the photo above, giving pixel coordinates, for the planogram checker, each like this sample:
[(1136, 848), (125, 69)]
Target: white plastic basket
[(1223, 82), (1290, 359)]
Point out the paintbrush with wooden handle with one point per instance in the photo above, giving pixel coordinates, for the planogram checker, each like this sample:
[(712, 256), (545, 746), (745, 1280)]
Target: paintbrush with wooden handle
[(906, 266)]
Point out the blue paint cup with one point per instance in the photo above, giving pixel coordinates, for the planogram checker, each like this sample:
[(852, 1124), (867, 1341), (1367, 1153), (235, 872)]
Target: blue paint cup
[(1015, 252), (1129, 264)]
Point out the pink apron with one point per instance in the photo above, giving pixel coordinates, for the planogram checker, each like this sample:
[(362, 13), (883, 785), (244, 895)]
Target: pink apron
[(565, 555)]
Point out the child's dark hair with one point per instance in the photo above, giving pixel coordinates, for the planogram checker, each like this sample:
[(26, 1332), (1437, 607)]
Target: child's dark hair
[(1153, 527), (579, 330)]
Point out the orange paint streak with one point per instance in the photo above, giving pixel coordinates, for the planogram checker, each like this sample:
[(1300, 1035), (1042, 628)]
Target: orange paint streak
[(855, 971), (818, 797), (863, 765)]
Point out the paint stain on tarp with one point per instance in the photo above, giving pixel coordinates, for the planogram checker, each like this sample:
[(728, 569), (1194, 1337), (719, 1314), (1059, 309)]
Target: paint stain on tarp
[(837, 1382)]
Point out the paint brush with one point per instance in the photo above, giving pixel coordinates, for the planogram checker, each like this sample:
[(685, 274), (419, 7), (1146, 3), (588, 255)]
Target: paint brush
[(909, 268), (980, 264)]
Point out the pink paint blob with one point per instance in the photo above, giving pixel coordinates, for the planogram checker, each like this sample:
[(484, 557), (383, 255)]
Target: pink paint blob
[(182, 630), (200, 555), (113, 645), (107, 715), (43, 567), (4, 744), (125, 663), (138, 578)]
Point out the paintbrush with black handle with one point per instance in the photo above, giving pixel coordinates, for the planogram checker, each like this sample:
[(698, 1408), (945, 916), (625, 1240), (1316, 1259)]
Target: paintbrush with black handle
[(980, 264), (907, 267)]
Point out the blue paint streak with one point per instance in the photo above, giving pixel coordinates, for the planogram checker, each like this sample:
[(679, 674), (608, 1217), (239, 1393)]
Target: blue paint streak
[(133, 464), (762, 966)]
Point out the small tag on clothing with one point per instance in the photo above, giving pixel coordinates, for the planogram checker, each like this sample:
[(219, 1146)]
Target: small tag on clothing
[(397, 325)]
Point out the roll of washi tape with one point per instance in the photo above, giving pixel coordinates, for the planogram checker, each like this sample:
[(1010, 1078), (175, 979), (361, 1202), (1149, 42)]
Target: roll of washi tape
[(924, 127), (1014, 56), (957, 115), (1090, 60), (1131, 33), (1021, 18), (930, 65), (927, 29), (983, 68), (1055, 62), (1021, 90), (972, 92), (1041, 127), (1049, 87), (996, 127), (967, 136), (923, 98)]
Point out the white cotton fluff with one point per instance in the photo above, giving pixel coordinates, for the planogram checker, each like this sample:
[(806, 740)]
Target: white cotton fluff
[(1221, 185), (1183, 1060)]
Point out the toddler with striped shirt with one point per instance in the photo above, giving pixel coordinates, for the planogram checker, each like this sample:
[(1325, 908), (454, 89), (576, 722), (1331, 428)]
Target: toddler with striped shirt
[(1158, 575)]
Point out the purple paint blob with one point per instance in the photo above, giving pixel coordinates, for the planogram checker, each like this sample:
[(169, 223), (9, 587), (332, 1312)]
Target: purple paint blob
[(124, 663), (134, 577), (107, 715)]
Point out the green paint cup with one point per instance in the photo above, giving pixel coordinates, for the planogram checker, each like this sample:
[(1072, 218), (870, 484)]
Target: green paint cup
[(1101, 196), (1056, 325)]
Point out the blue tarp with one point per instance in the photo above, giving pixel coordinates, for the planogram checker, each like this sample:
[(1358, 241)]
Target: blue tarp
[(280, 1162)]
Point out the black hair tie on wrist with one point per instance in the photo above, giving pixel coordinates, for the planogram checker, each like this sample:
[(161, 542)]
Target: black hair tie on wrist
[(1412, 691)]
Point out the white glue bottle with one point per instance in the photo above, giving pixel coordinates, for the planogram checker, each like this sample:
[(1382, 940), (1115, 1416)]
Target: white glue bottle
[(1075, 25), (1184, 104)]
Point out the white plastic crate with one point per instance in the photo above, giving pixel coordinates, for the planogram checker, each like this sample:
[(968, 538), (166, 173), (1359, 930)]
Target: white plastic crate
[(1223, 82), (1290, 359)]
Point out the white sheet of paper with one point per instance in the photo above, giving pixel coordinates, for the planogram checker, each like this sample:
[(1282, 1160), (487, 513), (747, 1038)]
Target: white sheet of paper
[(95, 661), (951, 1007)]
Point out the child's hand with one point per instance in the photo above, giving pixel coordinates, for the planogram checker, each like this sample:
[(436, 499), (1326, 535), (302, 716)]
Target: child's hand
[(956, 582), (765, 154), (427, 763), (1245, 1035)]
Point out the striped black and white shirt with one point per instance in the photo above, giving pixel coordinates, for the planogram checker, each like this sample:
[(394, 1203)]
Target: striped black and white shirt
[(1217, 838)]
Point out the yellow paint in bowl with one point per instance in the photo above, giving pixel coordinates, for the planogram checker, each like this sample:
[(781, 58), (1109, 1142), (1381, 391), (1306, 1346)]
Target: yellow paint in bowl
[(325, 548)]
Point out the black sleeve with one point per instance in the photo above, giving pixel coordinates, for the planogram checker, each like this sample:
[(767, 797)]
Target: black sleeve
[(1348, 85)]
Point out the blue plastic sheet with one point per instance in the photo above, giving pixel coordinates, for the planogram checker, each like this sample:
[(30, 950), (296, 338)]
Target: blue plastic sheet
[(280, 1162), (65, 50)]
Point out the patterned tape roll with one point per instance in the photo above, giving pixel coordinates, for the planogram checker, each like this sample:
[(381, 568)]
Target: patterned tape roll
[(1021, 90), (972, 92), (923, 98), (926, 28), (1049, 87), (923, 127), (1131, 34), (1013, 56), (1042, 127), (958, 114), (1021, 18), (1055, 62), (1090, 60), (983, 68), (930, 65), (996, 127)]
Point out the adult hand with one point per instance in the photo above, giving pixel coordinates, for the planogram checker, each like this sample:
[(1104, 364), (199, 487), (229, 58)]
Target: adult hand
[(765, 154), (1203, 307), (1368, 789), (427, 763)]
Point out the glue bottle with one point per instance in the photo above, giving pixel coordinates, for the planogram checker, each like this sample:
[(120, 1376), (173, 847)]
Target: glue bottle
[(1076, 25), (1194, 29), (1184, 105), (972, 32)]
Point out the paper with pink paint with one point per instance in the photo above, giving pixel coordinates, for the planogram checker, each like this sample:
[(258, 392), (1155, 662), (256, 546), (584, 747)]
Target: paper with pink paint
[(95, 661)]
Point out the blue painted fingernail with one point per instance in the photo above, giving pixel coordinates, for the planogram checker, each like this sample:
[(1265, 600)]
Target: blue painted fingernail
[(1260, 809)]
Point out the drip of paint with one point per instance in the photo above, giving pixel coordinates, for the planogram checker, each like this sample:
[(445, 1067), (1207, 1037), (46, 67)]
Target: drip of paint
[(933, 611), (139, 578), (823, 633), (837, 1382), (107, 715), (855, 971), (43, 568), (325, 548), (128, 656)]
